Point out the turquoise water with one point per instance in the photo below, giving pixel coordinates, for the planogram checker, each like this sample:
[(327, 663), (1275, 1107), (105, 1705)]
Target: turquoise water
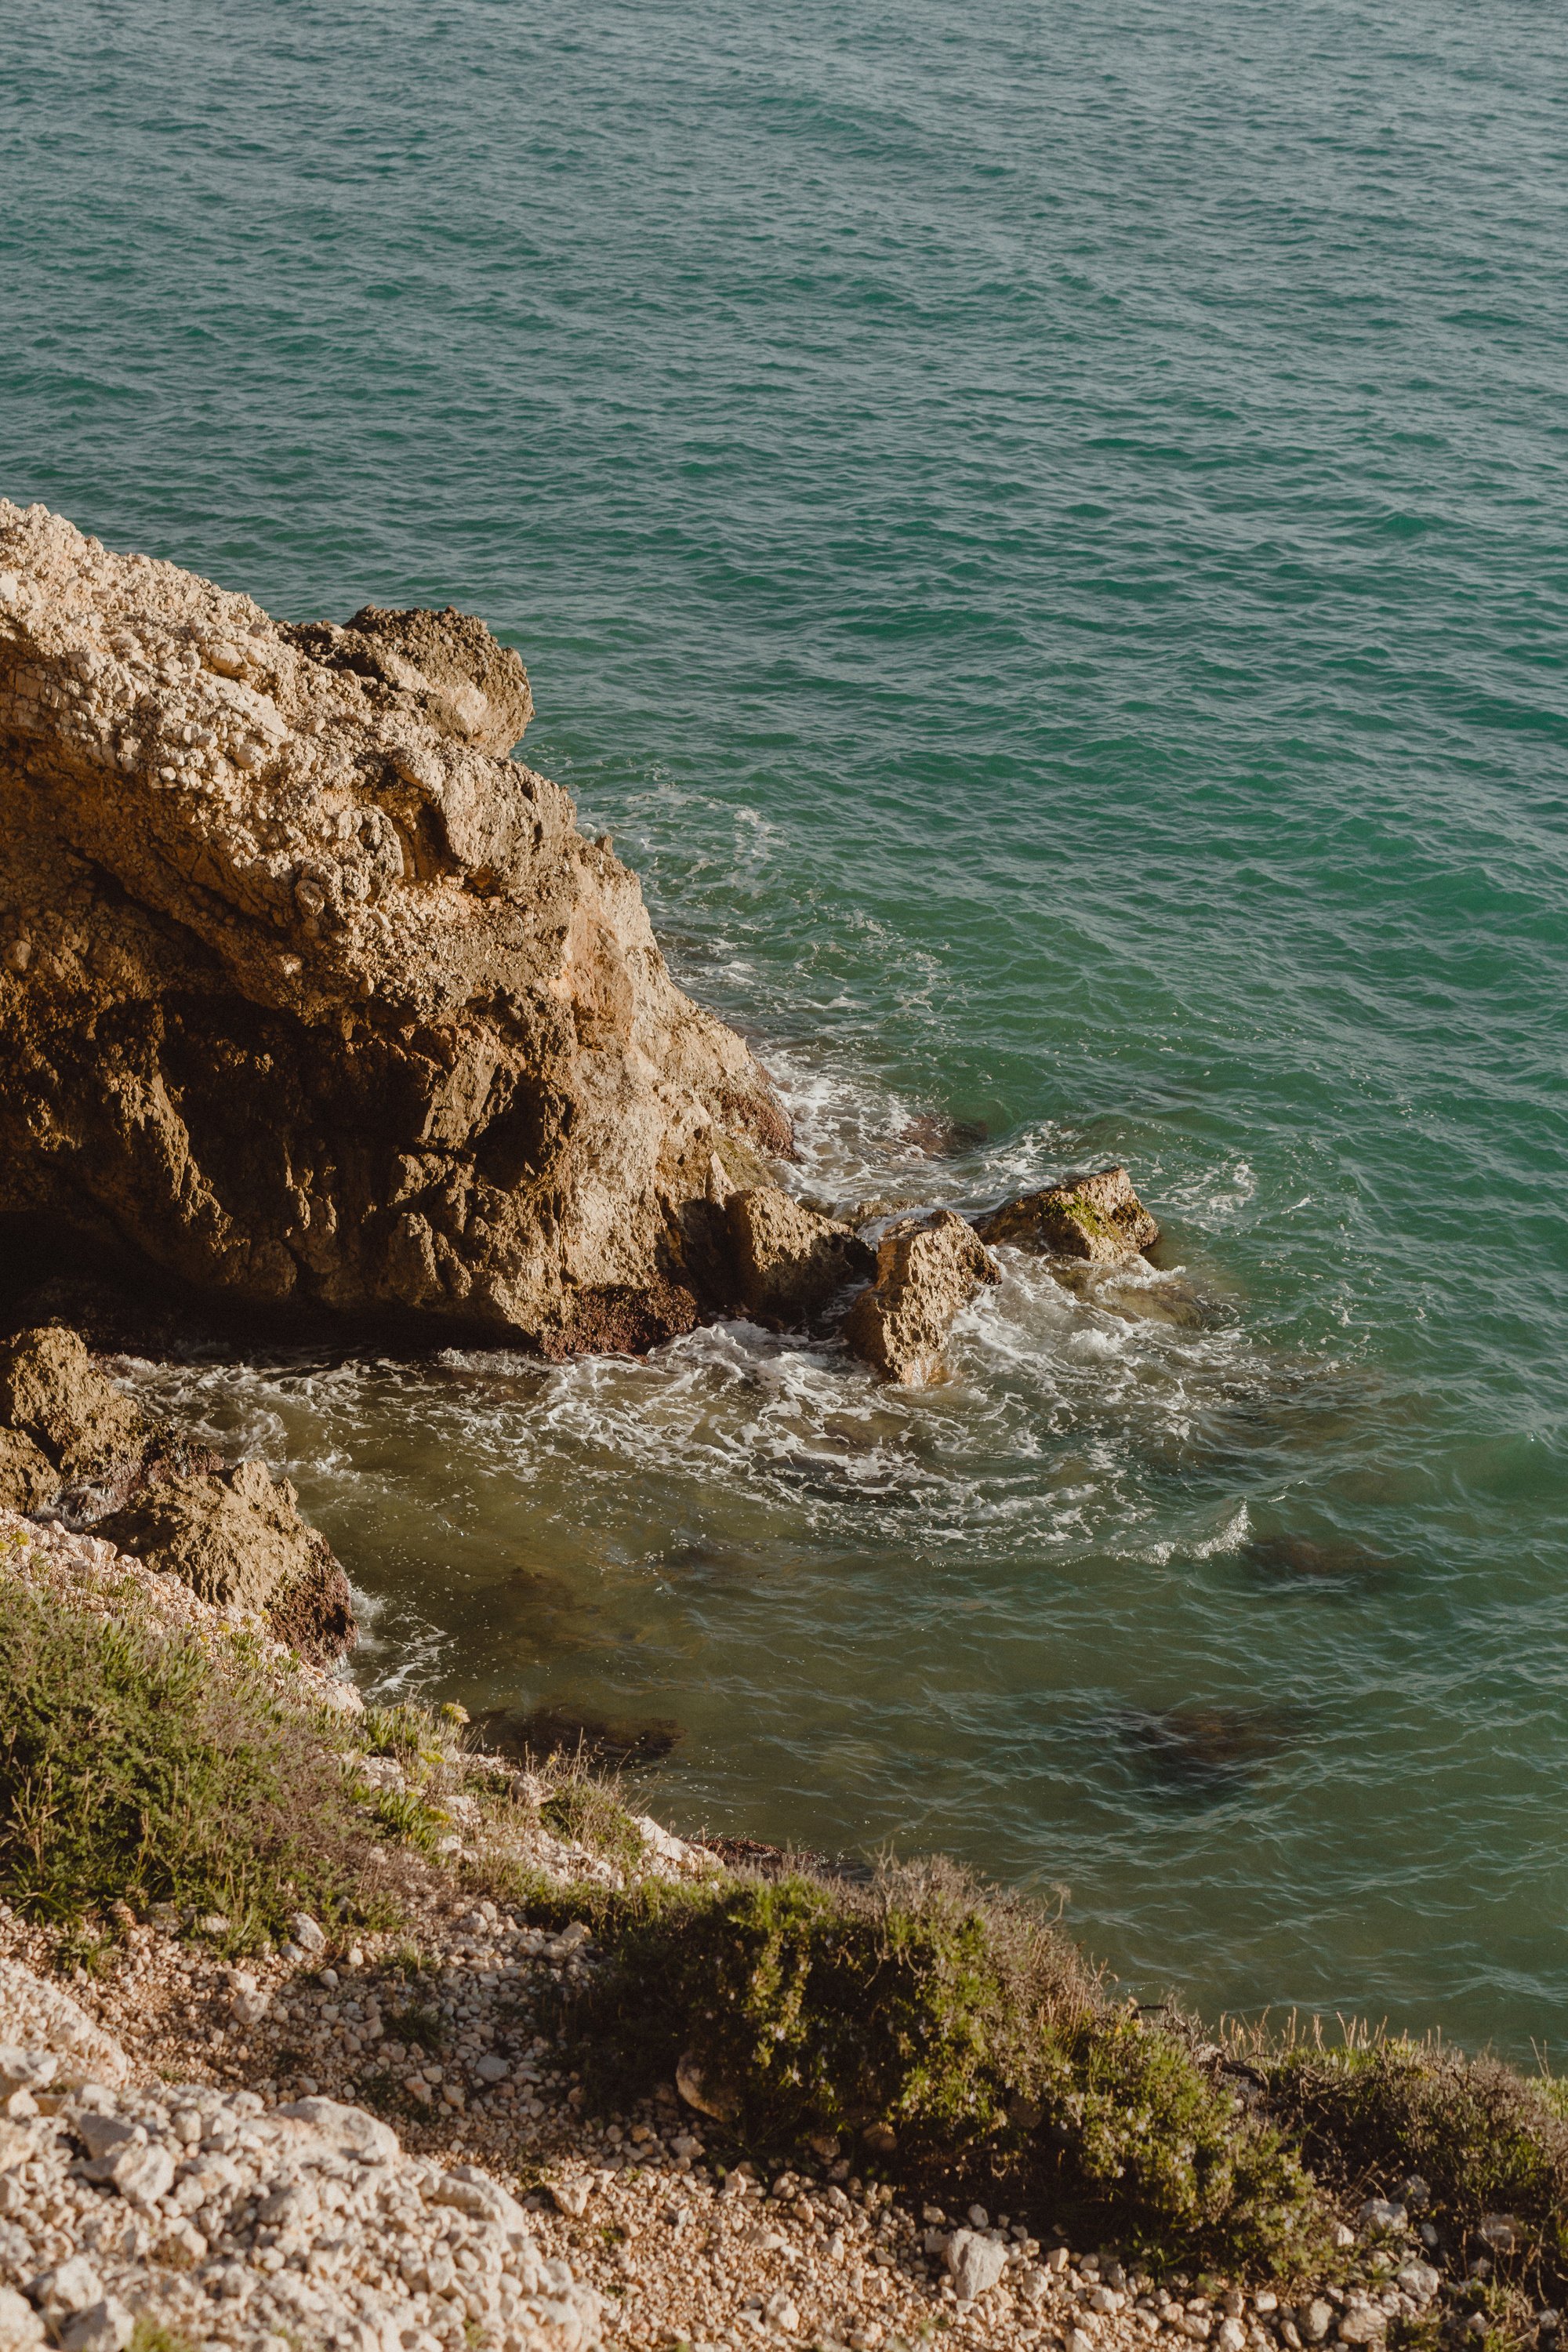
[(1041, 529)]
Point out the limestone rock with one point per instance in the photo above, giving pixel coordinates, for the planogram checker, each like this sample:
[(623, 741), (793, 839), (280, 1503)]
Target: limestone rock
[(472, 2191), (69, 2287), (975, 2263), (788, 1259), (317, 2182), (53, 1392), (36, 2015), (107, 2325), (19, 2323), (928, 1270), (1099, 1218), (358, 2133), (25, 2069), (461, 680), (699, 2091), (27, 1477), (238, 1538), (313, 1002)]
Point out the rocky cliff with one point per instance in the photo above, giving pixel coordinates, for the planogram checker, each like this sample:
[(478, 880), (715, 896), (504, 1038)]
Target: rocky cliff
[(312, 996)]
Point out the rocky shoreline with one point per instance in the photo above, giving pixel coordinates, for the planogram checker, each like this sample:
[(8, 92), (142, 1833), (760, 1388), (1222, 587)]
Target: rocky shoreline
[(316, 1003), (317, 1010)]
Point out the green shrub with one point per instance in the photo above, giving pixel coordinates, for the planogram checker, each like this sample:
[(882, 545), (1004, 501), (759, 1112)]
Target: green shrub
[(1163, 2152), (132, 1769), (1485, 2139), (957, 2032)]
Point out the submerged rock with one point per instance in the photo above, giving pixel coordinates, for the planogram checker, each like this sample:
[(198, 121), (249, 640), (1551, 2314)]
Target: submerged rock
[(1195, 1746), (789, 1260), (612, 1740), (1099, 1218), (927, 1272), (312, 1001), (936, 1137), (1297, 1558)]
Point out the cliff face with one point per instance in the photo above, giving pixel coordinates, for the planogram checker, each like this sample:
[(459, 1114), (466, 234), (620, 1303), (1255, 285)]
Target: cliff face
[(312, 996)]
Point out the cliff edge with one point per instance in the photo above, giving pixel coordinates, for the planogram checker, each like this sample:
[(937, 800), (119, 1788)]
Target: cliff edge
[(312, 996)]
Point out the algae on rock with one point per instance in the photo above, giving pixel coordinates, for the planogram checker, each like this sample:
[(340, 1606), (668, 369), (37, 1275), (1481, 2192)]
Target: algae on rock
[(1098, 1218)]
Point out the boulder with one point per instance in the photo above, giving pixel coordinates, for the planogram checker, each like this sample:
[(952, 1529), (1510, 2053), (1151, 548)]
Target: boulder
[(445, 665), (358, 2135), (1099, 1218), (976, 2264), (233, 1534), (238, 1537), (788, 1259), (19, 2323), (312, 1002), (27, 1478), (928, 1270), (54, 1394)]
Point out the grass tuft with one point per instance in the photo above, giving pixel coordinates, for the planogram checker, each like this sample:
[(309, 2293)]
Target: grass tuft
[(132, 1773), (583, 1812)]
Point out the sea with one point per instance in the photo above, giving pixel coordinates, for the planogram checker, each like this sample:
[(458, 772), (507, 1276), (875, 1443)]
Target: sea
[(1041, 529)]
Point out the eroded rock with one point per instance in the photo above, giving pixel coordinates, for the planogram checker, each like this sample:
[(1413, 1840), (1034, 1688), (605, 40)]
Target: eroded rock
[(789, 1260), (238, 1538), (28, 1479), (460, 679), (1099, 1218), (78, 1443), (54, 1395), (312, 1001), (927, 1271)]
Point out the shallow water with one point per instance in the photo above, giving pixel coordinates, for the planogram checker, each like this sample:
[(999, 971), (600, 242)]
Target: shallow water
[(1042, 535)]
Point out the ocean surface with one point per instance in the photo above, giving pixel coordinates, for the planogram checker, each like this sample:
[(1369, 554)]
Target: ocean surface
[(1041, 530)]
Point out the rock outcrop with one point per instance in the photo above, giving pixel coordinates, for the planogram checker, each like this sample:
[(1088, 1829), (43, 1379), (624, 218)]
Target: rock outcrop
[(1099, 1219), (927, 1271), (790, 1261), (28, 1479), (311, 998), (53, 1395), (72, 1441), (237, 1537)]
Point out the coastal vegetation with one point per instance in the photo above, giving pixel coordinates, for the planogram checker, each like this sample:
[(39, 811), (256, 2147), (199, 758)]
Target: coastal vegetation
[(942, 2034)]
